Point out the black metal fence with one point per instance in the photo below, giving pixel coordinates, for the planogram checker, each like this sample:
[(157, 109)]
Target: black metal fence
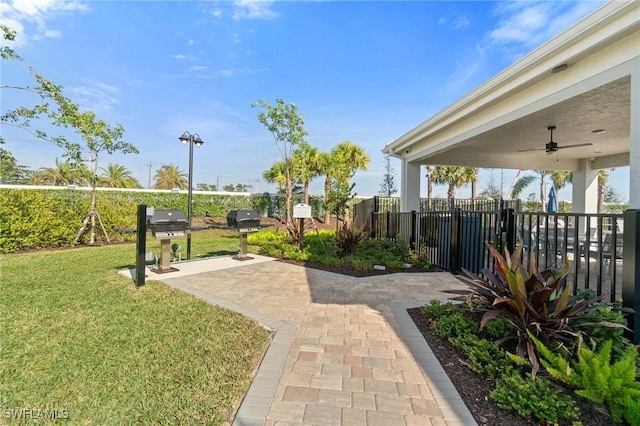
[(593, 244), (455, 239)]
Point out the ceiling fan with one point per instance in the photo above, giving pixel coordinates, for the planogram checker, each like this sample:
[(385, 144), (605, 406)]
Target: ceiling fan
[(552, 146)]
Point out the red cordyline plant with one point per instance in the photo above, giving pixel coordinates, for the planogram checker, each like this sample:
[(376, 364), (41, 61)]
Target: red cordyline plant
[(531, 300)]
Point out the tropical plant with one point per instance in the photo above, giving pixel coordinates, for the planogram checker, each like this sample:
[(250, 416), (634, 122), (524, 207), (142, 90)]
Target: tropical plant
[(169, 176), (306, 166), (347, 158), (533, 301), (64, 173), (453, 176), (596, 378), (117, 176), (348, 238), (277, 174)]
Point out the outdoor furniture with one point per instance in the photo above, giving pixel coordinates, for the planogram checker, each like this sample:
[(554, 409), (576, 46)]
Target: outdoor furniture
[(609, 252)]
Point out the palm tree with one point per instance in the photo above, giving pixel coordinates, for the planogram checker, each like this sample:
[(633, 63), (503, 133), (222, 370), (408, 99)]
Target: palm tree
[(277, 174), (117, 176), (454, 176), (339, 167), (603, 178), (306, 165), (327, 166), (169, 176), (64, 173), (524, 181)]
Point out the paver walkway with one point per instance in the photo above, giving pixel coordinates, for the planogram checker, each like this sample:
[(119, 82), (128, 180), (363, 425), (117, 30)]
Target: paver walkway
[(345, 350)]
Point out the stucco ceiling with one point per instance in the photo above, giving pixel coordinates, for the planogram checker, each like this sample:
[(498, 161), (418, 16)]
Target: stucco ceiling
[(606, 107)]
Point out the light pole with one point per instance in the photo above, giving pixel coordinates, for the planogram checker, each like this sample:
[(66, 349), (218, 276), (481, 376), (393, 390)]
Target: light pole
[(191, 139)]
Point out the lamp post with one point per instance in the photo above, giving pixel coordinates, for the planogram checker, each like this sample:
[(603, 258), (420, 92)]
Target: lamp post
[(191, 139)]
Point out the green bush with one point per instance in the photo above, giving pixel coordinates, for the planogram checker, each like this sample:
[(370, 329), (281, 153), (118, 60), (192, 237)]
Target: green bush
[(499, 328), (436, 309), (533, 397), (454, 325), (486, 358)]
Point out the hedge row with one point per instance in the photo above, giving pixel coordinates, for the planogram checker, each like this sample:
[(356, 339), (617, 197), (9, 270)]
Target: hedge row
[(42, 218)]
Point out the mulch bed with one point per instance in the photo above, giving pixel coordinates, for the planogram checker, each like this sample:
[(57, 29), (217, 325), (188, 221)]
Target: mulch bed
[(475, 389)]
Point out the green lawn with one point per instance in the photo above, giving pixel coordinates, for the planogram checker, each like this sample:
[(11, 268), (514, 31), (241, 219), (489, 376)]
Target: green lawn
[(78, 337)]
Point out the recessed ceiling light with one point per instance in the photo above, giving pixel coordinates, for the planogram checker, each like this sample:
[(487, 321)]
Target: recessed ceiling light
[(598, 131)]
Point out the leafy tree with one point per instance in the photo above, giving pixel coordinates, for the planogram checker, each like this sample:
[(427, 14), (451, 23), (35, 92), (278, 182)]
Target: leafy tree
[(327, 166), (64, 173), (98, 136), (117, 176), (453, 176), (287, 128), (492, 191), (206, 187), (57, 114), (241, 187), (229, 187), (10, 171), (611, 195), (603, 178), (524, 181), (388, 186), (169, 176)]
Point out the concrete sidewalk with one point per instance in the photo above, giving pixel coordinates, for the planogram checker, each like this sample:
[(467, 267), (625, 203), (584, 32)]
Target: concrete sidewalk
[(345, 351)]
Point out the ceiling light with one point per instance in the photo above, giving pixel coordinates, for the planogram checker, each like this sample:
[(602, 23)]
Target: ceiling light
[(598, 131)]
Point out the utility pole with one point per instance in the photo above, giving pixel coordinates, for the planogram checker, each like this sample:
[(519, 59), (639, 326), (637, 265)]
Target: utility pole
[(257, 190), (217, 183), (149, 166)]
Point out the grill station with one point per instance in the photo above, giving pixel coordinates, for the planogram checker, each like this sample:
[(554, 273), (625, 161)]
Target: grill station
[(246, 222), (164, 225)]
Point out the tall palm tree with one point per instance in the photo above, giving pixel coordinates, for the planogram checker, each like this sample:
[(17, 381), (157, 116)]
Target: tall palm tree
[(327, 167), (306, 165), (349, 158), (117, 176), (454, 176), (64, 173), (524, 181), (169, 176), (603, 178), (345, 159)]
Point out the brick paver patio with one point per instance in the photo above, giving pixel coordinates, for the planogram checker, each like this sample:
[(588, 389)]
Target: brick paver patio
[(344, 353)]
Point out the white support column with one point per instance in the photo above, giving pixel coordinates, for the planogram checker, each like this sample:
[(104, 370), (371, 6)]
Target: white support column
[(410, 187), (634, 142), (585, 188)]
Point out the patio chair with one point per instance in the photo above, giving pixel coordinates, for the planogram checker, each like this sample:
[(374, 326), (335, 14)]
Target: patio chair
[(609, 250)]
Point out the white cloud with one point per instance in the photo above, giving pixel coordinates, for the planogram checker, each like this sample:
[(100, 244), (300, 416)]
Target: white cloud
[(38, 12), (191, 42), (198, 68), (98, 97), (253, 9), (460, 21), (442, 21)]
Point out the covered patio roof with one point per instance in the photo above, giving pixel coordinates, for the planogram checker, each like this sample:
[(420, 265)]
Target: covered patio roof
[(583, 81)]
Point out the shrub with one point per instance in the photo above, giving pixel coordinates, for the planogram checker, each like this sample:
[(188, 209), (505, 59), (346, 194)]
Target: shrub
[(349, 236), (499, 328), (454, 325), (532, 301), (533, 397), (436, 309), (596, 379), (486, 358)]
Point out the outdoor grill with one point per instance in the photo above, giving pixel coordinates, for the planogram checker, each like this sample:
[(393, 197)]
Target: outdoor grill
[(244, 221), (166, 224)]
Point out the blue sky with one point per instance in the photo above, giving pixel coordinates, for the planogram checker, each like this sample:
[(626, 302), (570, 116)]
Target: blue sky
[(360, 71)]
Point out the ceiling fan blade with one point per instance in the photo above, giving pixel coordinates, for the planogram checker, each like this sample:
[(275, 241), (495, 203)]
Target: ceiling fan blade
[(575, 145), (531, 149)]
